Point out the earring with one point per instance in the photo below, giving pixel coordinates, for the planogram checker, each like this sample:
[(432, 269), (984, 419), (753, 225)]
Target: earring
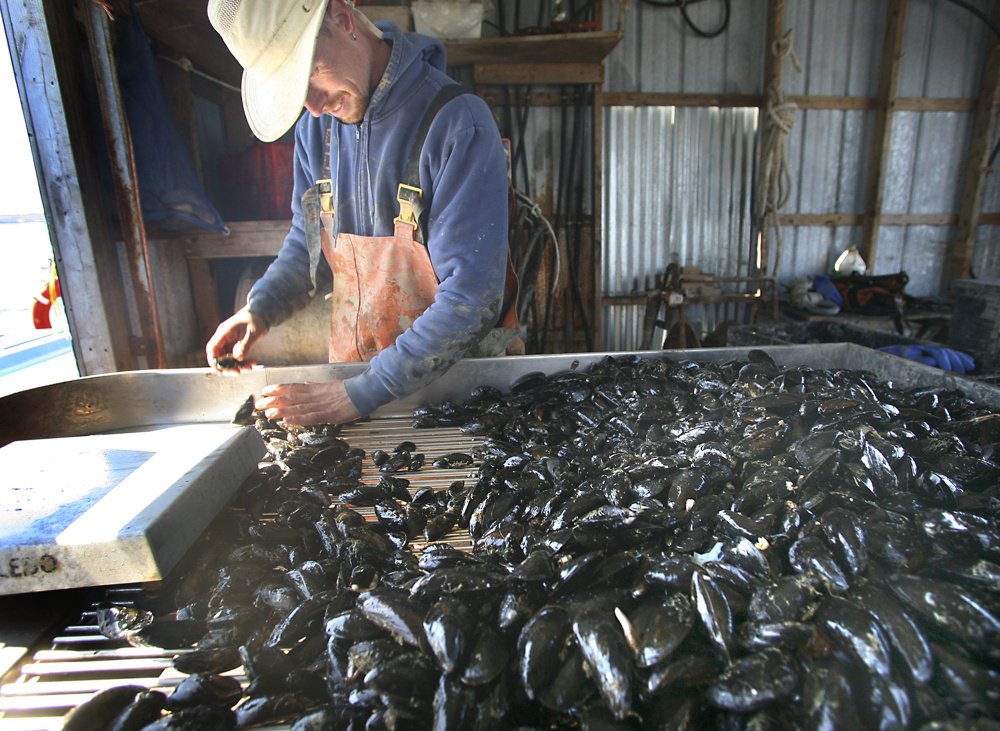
[(354, 36)]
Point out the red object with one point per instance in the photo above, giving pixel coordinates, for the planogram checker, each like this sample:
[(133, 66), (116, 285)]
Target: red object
[(42, 306), (258, 182)]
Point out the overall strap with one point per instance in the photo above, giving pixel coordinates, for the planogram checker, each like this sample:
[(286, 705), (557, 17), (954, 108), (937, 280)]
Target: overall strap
[(410, 194)]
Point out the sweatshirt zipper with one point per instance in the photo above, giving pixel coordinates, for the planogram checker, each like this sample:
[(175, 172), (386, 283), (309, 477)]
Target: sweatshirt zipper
[(366, 206)]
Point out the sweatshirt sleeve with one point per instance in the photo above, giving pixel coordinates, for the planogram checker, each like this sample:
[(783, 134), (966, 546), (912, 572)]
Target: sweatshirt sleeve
[(288, 285), (464, 167)]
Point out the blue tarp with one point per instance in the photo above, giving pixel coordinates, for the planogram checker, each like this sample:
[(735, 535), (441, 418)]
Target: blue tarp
[(171, 193)]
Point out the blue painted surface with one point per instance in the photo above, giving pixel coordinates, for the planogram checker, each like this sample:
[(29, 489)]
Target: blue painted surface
[(32, 352)]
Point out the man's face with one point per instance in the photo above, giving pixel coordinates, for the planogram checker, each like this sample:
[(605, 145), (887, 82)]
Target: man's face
[(339, 83)]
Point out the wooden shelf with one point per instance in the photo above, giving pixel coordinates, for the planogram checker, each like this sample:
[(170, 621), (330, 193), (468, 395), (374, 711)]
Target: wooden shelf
[(245, 238), (585, 48)]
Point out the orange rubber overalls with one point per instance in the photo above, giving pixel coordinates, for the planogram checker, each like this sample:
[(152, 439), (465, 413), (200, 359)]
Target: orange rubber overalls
[(381, 284)]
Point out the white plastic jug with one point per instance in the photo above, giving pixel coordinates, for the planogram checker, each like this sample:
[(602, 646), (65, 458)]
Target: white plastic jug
[(849, 262)]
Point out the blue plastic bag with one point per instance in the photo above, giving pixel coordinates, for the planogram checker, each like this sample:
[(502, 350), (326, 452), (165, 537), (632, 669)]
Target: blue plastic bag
[(939, 357), (171, 193)]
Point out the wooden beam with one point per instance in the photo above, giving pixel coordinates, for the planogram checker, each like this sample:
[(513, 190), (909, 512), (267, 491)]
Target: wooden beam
[(550, 48), (539, 73), (882, 135), (929, 104), (819, 220), (903, 104), (834, 103), (837, 103), (246, 238), (960, 250), (650, 99), (858, 219)]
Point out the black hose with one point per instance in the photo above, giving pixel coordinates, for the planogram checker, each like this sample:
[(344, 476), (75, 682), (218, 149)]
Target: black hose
[(536, 247), (683, 5), (978, 13), (996, 31), (522, 133), (530, 233), (577, 154), (560, 208), (564, 216)]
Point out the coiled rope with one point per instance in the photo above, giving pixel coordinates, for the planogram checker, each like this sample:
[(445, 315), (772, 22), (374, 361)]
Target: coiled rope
[(775, 181)]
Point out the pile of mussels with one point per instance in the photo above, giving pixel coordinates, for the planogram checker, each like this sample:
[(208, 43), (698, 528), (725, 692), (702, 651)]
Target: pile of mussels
[(656, 544)]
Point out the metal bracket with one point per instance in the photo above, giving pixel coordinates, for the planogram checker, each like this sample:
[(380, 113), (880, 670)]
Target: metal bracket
[(325, 189), (410, 200)]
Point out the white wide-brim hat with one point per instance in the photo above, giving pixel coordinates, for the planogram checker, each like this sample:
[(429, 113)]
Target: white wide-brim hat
[(274, 41)]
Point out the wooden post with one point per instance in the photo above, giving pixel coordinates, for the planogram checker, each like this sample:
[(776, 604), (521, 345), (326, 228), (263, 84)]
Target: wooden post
[(983, 132), (122, 159), (44, 47), (882, 136)]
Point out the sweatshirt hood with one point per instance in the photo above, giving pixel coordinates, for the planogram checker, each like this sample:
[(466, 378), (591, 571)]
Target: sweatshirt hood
[(409, 52)]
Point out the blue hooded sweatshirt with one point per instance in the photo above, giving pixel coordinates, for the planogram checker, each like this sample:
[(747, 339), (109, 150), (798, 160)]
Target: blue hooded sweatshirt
[(463, 174)]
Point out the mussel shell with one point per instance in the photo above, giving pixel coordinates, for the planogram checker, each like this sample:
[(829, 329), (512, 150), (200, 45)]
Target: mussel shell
[(755, 681), (541, 648), (207, 661), (571, 687), (195, 718), (488, 657), (903, 633), (102, 708), (713, 610), (448, 626), (951, 610), (855, 632), (205, 689), (454, 705), (606, 653), (660, 625), (395, 614), (272, 709)]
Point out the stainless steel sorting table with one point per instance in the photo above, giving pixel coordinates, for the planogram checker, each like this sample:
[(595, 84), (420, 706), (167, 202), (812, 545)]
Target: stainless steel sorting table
[(54, 670)]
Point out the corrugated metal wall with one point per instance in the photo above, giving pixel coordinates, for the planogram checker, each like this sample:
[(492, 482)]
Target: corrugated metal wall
[(839, 45), (700, 218), (659, 53)]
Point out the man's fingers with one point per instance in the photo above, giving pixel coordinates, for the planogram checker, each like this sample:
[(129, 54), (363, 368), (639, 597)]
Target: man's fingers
[(306, 418), (306, 404)]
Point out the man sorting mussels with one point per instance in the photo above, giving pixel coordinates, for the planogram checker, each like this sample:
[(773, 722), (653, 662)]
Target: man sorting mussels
[(400, 200)]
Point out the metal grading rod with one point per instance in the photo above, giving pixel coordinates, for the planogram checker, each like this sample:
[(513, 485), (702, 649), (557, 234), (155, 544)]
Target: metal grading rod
[(119, 141)]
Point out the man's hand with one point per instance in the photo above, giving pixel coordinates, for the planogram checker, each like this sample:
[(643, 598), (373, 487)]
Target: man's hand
[(307, 403), (227, 349)]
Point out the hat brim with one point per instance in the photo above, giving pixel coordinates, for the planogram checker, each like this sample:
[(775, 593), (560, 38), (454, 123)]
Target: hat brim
[(273, 99)]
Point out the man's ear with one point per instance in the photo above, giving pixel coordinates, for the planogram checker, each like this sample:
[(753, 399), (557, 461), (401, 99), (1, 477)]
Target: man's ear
[(340, 16)]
